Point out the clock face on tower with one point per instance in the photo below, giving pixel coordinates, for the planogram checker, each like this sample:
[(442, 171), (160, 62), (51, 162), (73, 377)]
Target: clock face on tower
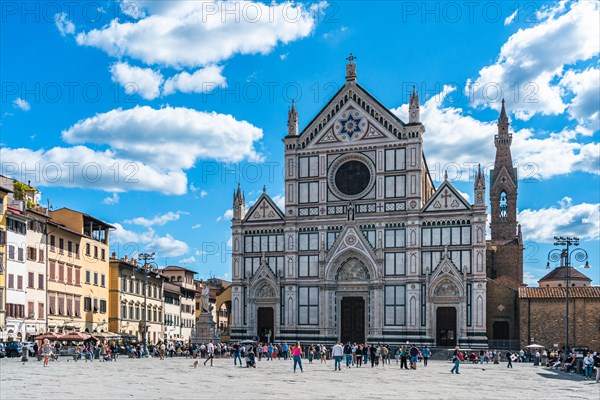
[(351, 176)]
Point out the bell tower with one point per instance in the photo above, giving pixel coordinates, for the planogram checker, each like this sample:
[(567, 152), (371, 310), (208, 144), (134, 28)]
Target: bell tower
[(503, 185), (239, 204)]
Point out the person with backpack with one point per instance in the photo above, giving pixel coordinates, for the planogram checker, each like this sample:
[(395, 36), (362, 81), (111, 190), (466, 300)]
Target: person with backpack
[(414, 356), (348, 354), (509, 358)]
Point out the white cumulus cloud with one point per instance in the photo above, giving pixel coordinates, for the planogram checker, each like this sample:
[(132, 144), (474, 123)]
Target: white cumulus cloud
[(147, 241), (456, 141), (22, 104), (565, 219), (114, 199), (171, 138), (64, 24), (201, 81), (533, 59), (143, 81), (158, 220), (82, 167), (194, 33)]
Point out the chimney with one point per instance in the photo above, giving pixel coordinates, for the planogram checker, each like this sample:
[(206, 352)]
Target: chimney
[(125, 257), (114, 255)]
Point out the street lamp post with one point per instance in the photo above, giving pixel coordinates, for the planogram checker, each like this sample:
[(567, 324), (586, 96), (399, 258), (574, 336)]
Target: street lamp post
[(564, 255), (145, 257)]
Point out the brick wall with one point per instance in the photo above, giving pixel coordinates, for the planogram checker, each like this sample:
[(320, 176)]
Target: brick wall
[(502, 305), (543, 321)]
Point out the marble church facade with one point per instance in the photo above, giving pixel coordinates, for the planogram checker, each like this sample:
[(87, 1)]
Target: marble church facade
[(366, 249)]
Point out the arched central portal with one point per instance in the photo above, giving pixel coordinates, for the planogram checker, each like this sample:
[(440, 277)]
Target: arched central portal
[(446, 326), (353, 320)]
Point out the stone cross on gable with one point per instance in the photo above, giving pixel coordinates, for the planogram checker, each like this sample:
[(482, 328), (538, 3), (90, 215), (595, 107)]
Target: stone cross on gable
[(446, 196), (264, 209)]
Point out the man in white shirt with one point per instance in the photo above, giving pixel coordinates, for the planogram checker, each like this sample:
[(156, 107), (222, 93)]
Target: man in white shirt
[(337, 352), (210, 353)]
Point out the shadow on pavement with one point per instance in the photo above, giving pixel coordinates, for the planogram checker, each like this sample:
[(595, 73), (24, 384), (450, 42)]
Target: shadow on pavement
[(558, 374)]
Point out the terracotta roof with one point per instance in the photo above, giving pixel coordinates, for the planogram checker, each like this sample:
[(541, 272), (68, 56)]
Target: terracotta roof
[(178, 268), (560, 273), (559, 292)]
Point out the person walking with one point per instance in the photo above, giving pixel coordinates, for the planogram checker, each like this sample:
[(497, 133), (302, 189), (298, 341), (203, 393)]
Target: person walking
[(414, 356), (46, 351), (348, 354), (270, 352), (337, 352), (426, 353), (373, 355), (236, 354), (297, 356), (359, 355), (588, 365), (509, 359), (456, 362), (403, 357), (284, 350), (323, 354), (210, 353)]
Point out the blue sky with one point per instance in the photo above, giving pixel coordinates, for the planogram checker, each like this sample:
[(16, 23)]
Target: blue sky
[(146, 114)]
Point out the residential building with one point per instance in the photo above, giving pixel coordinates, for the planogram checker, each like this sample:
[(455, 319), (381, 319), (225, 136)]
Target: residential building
[(36, 265), (4, 192), (16, 270), (64, 284), (172, 309), (95, 264), (184, 279), (127, 284)]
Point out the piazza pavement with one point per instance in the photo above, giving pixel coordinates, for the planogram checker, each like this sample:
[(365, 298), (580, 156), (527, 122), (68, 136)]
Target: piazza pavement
[(176, 378)]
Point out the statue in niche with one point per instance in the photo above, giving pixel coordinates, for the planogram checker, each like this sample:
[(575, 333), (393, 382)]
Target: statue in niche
[(352, 270), (446, 289), (350, 212)]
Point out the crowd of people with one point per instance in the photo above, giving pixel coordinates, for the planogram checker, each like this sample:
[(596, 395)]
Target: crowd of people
[(344, 355)]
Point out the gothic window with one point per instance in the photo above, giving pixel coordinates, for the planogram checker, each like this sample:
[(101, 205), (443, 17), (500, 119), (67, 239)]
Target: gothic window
[(308, 192), (395, 238), (448, 236), (308, 305), (395, 159), (251, 264), (370, 236), (308, 266), (430, 259), (395, 186), (395, 303), (276, 264), (308, 241), (503, 205), (263, 243), (331, 238), (395, 264), (308, 167), (462, 259)]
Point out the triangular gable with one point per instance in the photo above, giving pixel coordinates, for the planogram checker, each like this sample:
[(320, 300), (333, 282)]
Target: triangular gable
[(263, 273), (444, 267), (350, 237), (264, 210), (446, 198), (503, 178), (346, 120)]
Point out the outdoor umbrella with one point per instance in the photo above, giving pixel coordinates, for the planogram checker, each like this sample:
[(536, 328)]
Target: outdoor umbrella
[(534, 346), (49, 336), (76, 336)]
